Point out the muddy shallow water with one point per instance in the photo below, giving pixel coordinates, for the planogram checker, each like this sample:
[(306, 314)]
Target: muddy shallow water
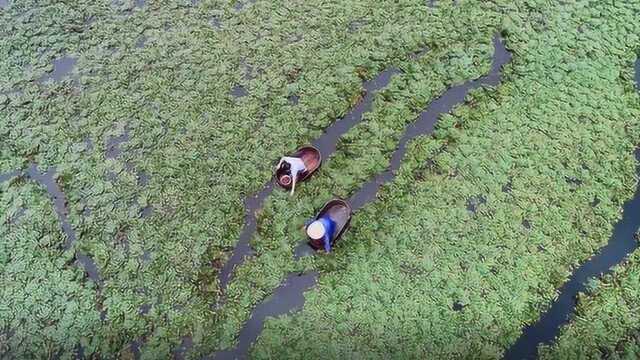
[(290, 295)]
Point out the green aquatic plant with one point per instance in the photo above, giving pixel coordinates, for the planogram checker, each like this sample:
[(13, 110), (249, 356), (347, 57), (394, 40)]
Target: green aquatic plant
[(606, 321), (416, 274)]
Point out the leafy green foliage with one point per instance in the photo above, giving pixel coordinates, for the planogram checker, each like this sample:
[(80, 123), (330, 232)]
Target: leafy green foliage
[(565, 110), (420, 276)]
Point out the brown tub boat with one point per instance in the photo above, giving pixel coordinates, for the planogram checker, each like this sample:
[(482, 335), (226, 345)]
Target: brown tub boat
[(311, 158), (340, 212)]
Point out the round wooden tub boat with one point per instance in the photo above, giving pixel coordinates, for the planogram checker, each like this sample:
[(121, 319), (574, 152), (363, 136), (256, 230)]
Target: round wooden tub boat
[(311, 158), (340, 212)]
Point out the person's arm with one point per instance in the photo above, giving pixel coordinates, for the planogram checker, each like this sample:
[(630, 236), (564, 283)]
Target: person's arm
[(327, 243), (297, 168)]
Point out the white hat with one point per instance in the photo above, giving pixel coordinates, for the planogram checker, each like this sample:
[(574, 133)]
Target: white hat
[(316, 230)]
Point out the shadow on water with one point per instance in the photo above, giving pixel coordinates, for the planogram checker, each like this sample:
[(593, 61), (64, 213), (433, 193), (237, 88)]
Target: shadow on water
[(326, 143), (62, 67), (287, 298), (621, 244), (290, 296)]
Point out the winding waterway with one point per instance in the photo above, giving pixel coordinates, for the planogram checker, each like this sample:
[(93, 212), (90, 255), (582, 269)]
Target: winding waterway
[(289, 297)]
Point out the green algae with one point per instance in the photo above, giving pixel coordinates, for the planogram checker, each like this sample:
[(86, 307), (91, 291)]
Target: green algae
[(390, 286)]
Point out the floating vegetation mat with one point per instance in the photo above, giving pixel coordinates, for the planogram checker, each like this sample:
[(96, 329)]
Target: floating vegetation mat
[(162, 121)]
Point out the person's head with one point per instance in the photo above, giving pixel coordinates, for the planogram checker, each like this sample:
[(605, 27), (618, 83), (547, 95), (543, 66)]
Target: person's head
[(316, 230)]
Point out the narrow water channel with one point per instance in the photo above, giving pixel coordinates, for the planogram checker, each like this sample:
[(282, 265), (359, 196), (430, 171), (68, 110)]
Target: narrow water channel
[(326, 143), (289, 297), (426, 121), (47, 180), (621, 244)]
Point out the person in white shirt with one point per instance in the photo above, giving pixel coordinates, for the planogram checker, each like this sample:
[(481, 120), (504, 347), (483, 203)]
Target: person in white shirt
[(296, 167)]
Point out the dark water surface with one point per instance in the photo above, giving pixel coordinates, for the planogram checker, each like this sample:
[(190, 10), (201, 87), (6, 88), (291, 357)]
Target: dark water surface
[(140, 43), (621, 244), (637, 68), (9, 175), (290, 295), (47, 180), (251, 205), (185, 344), (239, 91), (113, 145), (62, 67), (327, 142), (287, 298), (58, 198), (294, 286)]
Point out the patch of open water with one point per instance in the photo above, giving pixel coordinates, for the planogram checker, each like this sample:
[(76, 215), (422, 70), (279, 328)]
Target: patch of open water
[(113, 145), (62, 67)]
